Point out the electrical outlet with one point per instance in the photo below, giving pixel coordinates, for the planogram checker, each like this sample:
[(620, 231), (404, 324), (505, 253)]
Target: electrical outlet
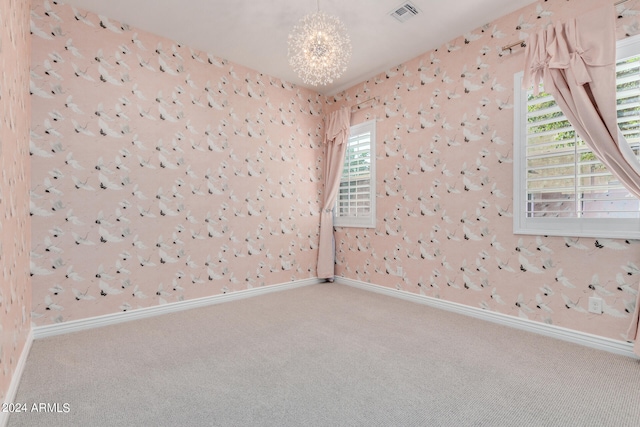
[(595, 305), (399, 271)]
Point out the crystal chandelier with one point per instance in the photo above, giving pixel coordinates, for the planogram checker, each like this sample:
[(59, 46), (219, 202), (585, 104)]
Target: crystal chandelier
[(319, 48)]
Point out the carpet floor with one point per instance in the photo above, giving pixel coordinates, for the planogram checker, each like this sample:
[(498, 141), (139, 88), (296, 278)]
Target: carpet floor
[(322, 355)]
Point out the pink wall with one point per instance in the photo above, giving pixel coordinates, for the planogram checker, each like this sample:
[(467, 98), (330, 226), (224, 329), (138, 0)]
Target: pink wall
[(258, 144), (446, 117), (15, 289), (162, 174)]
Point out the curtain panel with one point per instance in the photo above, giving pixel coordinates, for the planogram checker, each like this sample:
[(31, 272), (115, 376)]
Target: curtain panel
[(576, 62), (335, 144)]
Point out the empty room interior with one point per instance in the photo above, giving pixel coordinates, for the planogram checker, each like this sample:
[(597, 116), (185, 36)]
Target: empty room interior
[(467, 178)]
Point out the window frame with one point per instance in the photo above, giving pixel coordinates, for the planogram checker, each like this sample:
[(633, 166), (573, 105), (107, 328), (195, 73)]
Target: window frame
[(368, 221), (625, 228)]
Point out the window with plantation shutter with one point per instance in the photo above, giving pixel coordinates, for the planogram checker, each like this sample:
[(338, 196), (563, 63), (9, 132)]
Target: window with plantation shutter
[(560, 187), (355, 203)]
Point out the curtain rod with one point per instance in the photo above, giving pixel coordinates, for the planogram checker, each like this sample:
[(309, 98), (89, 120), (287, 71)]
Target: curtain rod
[(522, 43), (351, 109), (375, 98)]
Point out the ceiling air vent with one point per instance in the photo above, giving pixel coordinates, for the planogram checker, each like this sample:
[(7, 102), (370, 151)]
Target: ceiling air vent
[(405, 11)]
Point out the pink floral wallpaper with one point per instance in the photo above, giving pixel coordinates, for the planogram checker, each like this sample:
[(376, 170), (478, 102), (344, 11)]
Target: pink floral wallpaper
[(161, 173), (15, 289), (444, 180)]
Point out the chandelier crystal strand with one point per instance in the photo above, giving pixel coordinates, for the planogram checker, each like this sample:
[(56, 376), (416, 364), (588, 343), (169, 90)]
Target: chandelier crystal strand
[(319, 48)]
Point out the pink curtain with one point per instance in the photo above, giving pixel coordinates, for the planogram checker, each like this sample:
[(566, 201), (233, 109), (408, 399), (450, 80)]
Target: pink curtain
[(335, 141), (576, 62)]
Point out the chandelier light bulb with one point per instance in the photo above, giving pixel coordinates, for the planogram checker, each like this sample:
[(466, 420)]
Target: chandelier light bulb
[(319, 49)]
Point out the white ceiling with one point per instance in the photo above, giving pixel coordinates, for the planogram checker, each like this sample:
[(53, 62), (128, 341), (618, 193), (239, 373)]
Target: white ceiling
[(254, 33)]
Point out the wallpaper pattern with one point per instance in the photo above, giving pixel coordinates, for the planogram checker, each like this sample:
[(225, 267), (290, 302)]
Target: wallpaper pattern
[(15, 289), (161, 173), (444, 179)]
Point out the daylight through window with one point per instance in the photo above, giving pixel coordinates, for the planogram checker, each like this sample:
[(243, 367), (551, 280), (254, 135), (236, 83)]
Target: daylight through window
[(557, 176), (355, 204)]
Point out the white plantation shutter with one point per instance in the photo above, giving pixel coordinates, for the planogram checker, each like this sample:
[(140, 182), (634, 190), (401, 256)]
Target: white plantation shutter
[(559, 177), (355, 204), (354, 194)]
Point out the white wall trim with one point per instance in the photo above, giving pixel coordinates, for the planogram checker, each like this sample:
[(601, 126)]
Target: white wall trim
[(588, 340), (142, 313), (15, 379)]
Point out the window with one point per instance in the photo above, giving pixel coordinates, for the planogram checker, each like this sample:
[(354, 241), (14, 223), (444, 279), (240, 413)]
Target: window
[(560, 187), (356, 201)]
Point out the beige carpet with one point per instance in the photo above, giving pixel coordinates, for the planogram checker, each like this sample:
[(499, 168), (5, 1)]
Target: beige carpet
[(324, 355)]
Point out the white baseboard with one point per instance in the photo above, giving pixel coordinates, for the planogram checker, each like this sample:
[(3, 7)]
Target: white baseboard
[(15, 379), (115, 318), (593, 341)]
